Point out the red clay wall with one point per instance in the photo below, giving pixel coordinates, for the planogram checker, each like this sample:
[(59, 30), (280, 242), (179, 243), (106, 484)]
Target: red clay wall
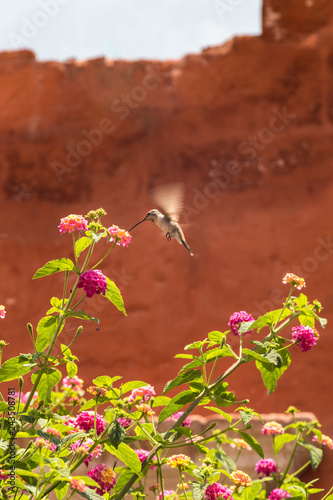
[(247, 126)]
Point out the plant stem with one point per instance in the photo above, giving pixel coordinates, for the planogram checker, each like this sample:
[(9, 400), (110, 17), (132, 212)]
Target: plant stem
[(103, 258), (283, 308), (289, 463)]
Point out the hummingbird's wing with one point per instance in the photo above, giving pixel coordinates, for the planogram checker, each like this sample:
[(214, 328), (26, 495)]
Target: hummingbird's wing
[(170, 198)]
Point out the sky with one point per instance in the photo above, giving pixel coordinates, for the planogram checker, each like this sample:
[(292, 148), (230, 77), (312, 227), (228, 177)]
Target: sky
[(123, 29)]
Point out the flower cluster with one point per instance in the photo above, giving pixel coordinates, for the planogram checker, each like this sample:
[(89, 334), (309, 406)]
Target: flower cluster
[(325, 440), (294, 280), (240, 443), (71, 223), (180, 461), (171, 494), (97, 391), (2, 312), (175, 416), (3, 475), (240, 478), (304, 336), (92, 282), (77, 484), (146, 409), (53, 432), (85, 422), (265, 467), (24, 397), (104, 477), (45, 443), (80, 447), (121, 236), (272, 428), (216, 491), (74, 383), (278, 493), (144, 393), (236, 319), (125, 422)]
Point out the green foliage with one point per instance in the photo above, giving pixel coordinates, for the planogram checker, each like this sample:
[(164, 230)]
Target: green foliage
[(54, 266)]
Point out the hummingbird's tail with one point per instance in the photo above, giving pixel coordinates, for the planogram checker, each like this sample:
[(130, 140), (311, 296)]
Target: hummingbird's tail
[(186, 246)]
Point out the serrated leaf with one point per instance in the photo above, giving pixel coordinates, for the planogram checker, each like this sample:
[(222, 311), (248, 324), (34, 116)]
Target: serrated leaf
[(245, 326), (227, 462), (126, 455), (198, 490), (133, 384), (45, 331), (270, 318), (122, 480), (90, 494), (48, 380), (116, 433), (281, 440), (252, 492), (81, 244), (61, 490), (105, 380), (316, 454), (250, 440), (271, 373), (54, 266), (216, 336), (71, 369), (14, 368), (161, 401), (176, 403), (195, 345), (183, 378), (246, 417), (71, 438), (113, 294)]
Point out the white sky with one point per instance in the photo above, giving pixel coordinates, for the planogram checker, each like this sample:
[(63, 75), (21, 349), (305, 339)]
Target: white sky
[(129, 29)]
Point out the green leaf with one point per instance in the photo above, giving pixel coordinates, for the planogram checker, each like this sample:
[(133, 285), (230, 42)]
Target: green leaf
[(281, 440), (198, 490), (316, 454), (71, 438), (71, 369), (45, 331), (134, 384), (161, 401), (3, 406), (61, 490), (176, 403), (216, 337), (81, 244), (90, 494), (48, 380), (82, 315), (252, 492), (271, 373), (113, 295), (126, 455), (14, 368), (122, 480), (116, 433), (227, 462), (270, 318), (220, 412), (54, 266), (246, 417), (250, 440), (183, 378), (195, 345)]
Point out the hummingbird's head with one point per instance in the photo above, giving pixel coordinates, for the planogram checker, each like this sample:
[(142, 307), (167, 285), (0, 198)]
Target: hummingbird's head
[(152, 215)]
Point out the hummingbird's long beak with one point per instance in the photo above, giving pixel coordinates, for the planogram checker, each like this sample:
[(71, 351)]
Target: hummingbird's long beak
[(137, 224)]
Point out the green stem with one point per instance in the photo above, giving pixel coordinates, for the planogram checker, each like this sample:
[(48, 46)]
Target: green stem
[(283, 308), (289, 463), (328, 493), (182, 483), (103, 258), (65, 287)]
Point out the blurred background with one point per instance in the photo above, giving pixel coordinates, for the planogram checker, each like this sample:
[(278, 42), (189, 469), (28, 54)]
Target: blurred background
[(100, 103)]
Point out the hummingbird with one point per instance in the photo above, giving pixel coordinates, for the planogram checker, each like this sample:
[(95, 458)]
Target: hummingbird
[(170, 198)]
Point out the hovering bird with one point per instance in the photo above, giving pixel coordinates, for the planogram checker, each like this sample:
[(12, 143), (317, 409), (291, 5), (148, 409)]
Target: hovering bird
[(170, 198)]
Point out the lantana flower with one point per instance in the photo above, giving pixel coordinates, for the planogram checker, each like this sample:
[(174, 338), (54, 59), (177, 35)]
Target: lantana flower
[(146, 409), (85, 422), (83, 447), (170, 494), (272, 428), (216, 491), (175, 416), (72, 222), (181, 461), (123, 237), (240, 478), (53, 432), (77, 484), (3, 475), (125, 422), (92, 282), (104, 477), (240, 443), (144, 393), (24, 397), (2, 312), (97, 391), (304, 336), (265, 467), (45, 443), (278, 493), (294, 280), (74, 383), (325, 440), (236, 319)]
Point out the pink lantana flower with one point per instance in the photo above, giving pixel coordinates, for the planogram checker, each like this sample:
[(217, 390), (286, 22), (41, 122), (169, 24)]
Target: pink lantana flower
[(294, 280), (2, 312), (120, 235), (104, 477), (74, 383), (272, 428), (142, 454), (85, 422), (92, 282), (325, 441), (144, 393), (216, 491), (265, 467), (304, 336), (278, 493), (236, 319), (175, 416), (72, 223), (77, 484), (83, 447)]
